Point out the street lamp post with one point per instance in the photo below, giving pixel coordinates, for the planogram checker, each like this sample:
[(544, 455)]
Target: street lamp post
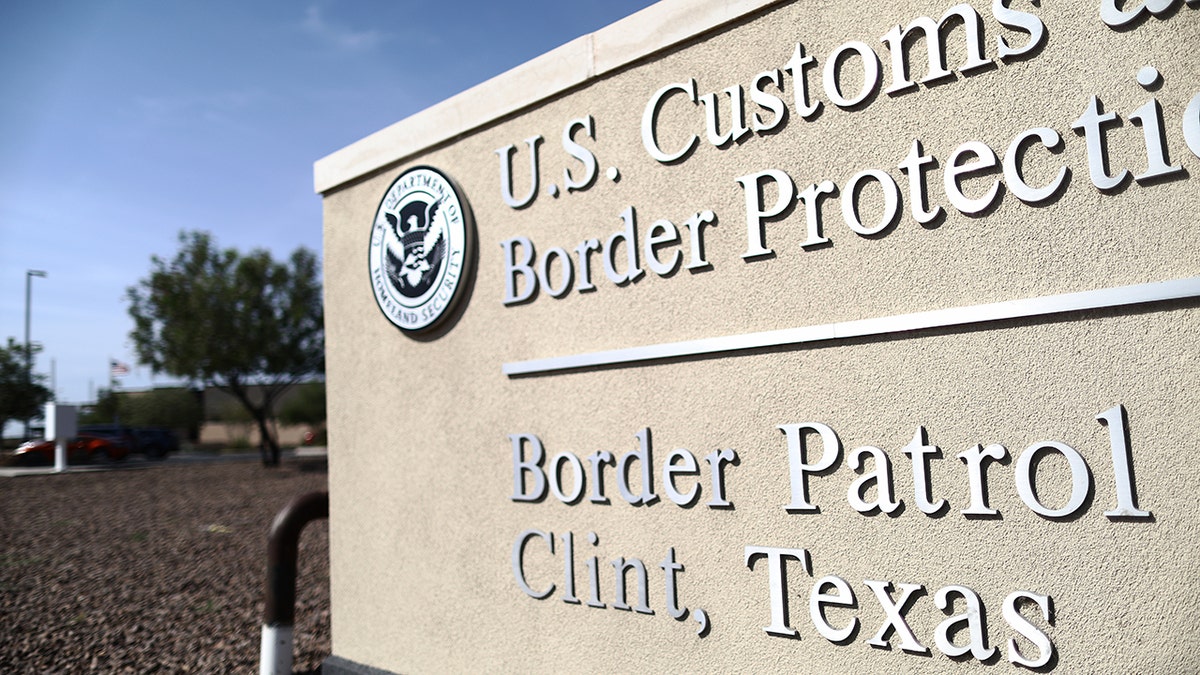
[(29, 275)]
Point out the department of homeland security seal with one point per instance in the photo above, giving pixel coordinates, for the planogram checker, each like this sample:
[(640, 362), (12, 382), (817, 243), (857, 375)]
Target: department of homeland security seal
[(420, 247)]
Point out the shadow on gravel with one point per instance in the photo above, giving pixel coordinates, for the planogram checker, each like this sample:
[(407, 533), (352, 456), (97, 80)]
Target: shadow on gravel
[(313, 465)]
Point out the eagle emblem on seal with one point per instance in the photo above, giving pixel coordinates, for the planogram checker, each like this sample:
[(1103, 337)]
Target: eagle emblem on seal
[(421, 250), (417, 248)]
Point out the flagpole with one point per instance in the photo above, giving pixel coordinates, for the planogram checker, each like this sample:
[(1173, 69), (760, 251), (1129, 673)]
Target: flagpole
[(112, 390), (116, 369)]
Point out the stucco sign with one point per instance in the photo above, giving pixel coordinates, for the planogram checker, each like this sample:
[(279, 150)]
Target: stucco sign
[(805, 337)]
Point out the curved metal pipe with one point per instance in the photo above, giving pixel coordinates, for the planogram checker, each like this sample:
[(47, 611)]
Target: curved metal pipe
[(280, 612)]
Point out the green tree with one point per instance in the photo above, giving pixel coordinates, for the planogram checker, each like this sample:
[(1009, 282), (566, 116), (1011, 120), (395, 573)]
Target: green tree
[(21, 397), (170, 407), (243, 323), (305, 405), (173, 408)]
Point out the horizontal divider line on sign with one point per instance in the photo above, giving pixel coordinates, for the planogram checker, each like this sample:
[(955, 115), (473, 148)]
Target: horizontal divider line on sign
[(997, 311)]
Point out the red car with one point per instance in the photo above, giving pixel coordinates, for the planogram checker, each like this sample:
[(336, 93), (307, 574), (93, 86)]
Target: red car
[(82, 449)]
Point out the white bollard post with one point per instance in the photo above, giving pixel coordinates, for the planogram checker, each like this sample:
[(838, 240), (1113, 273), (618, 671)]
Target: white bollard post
[(61, 425), (60, 455), (276, 654)]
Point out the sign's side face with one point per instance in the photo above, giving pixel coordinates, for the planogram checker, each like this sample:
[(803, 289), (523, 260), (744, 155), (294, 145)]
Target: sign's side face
[(851, 337)]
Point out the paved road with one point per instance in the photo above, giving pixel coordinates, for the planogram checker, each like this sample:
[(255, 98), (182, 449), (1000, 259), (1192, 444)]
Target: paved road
[(177, 459)]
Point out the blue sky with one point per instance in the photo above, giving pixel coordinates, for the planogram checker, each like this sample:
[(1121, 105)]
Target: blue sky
[(123, 123)]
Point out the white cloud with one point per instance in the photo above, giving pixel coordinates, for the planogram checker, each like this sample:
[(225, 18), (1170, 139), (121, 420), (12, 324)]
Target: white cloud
[(342, 37)]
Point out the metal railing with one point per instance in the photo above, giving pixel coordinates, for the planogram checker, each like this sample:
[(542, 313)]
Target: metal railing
[(279, 614)]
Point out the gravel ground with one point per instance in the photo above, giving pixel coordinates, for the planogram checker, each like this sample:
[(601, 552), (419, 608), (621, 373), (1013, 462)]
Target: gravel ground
[(158, 569)]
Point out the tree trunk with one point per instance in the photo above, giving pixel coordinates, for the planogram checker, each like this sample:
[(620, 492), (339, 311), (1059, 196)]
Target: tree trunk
[(268, 446)]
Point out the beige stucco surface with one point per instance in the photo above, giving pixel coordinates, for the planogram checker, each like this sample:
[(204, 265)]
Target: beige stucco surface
[(422, 524)]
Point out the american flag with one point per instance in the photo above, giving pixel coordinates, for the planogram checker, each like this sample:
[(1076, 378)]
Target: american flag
[(118, 369)]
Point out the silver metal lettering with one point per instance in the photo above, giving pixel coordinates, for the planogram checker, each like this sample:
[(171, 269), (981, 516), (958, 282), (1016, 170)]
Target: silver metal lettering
[(1149, 118), (891, 202), (935, 49), (798, 66), (1023, 21), (621, 567), (1092, 123), (752, 188), (650, 123), (642, 456), (985, 160), (629, 237), (593, 565), (716, 467), (1116, 419), (695, 226), (818, 601), (583, 252), (506, 184), (881, 477), (514, 268), (1049, 139), (1027, 630), (915, 166), (568, 594), (661, 233), (518, 561), (532, 466), (596, 476), (895, 616), (777, 581), (1080, 479), (798, 470), (564, 275), (1116, 18), (670, 569), (670, 470), (918, 451), (974, 459), (580, 153), (870, 66), (737, 117), (1191, 125), (554, 471), (972, 618), (766, 101), (811, 198)]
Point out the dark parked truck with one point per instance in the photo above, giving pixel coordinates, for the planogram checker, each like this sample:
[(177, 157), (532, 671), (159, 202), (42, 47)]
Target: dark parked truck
[(156, 442)]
